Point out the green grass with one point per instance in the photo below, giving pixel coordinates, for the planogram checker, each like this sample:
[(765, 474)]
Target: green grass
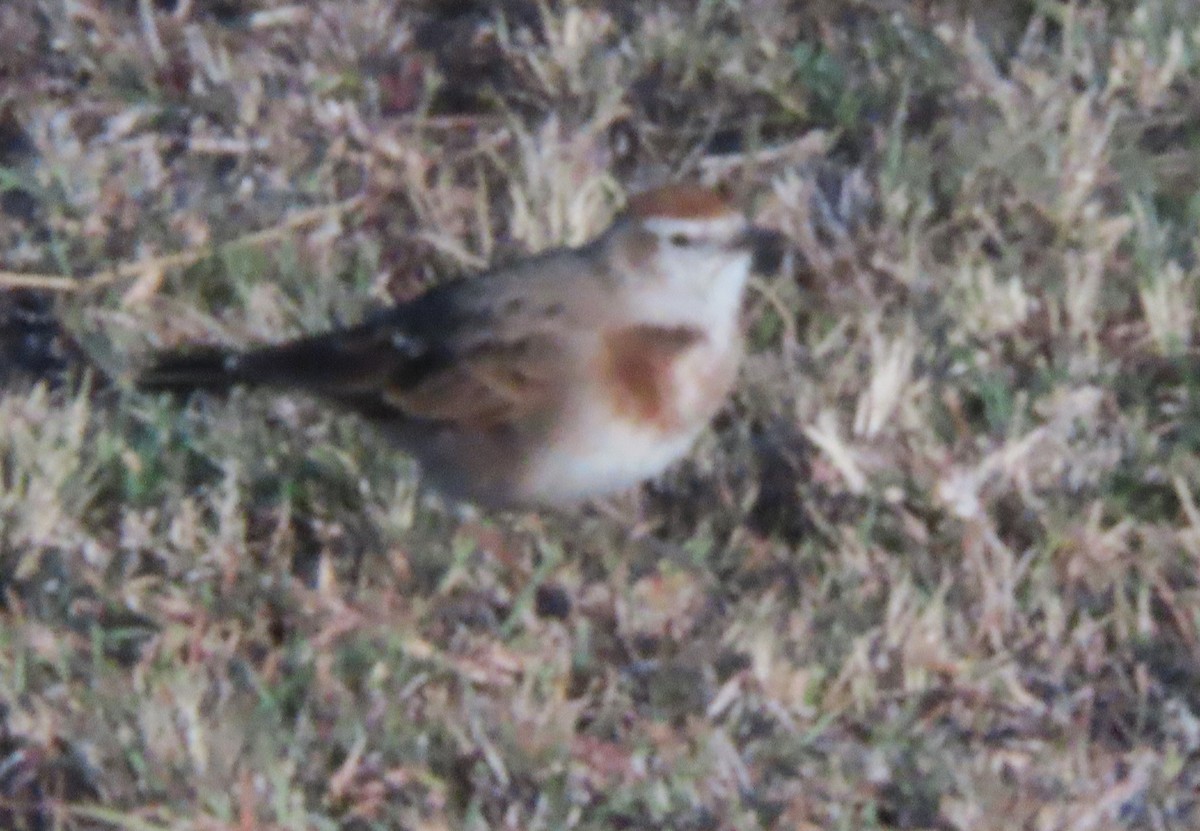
[(935, 566)]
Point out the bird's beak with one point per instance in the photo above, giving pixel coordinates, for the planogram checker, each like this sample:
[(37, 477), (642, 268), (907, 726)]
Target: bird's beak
[(766, 246), (755, 237), (750, 237)]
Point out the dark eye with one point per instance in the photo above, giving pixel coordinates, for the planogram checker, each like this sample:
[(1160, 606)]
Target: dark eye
[(680, 240)]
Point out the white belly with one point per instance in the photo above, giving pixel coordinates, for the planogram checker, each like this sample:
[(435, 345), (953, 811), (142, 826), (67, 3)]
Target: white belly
[(600, 450), (613, 456)]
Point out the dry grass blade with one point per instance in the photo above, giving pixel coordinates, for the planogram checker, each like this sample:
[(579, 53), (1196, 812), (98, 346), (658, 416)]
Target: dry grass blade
[(152, 269)]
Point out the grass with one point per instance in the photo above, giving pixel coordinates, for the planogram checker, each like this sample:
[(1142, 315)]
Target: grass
[(933, 567)]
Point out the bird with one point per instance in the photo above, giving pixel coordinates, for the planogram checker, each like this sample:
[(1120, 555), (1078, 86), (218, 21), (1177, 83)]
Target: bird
[(571, 375)]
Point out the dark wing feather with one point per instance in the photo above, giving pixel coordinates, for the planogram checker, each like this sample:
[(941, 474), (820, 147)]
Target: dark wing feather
[(440, 358), (496, 382)]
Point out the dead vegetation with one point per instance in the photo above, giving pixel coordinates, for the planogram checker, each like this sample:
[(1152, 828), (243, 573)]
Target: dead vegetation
[(934, 567)]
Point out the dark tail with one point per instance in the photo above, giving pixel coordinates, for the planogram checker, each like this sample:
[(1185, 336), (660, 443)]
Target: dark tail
[(209, 369), (339, 363)]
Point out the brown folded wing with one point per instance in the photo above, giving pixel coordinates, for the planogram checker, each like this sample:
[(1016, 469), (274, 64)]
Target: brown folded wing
[(492, 384)]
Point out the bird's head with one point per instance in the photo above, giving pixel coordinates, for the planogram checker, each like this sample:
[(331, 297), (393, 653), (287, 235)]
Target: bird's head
[(691, 220), (690, 239)]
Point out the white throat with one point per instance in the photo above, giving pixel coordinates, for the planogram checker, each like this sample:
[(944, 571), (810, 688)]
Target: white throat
[(695, 288)]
